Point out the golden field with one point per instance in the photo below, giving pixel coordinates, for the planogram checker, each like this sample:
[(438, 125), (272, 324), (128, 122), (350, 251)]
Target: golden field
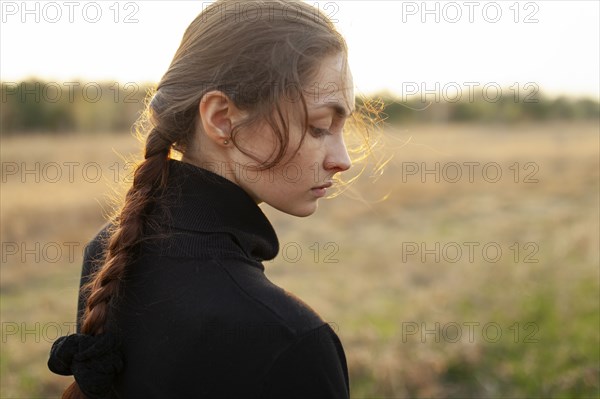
[(470, 268)]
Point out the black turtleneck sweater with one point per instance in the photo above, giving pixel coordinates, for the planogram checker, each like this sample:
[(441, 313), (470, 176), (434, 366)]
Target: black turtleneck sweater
[(196, 314)]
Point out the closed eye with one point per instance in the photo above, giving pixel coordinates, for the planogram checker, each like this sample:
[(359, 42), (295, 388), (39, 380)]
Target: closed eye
[(318, 132)]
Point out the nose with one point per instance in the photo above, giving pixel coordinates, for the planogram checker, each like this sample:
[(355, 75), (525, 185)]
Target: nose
[(337, 159)]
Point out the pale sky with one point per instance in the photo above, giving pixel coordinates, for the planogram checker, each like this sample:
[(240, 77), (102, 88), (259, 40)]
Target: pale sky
[(553, 45)]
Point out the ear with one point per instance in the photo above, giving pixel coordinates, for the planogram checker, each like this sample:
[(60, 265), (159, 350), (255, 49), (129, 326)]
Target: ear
[(218, 114)]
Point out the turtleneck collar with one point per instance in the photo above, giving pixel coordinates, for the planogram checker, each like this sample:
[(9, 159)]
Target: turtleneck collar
[(200, 202)]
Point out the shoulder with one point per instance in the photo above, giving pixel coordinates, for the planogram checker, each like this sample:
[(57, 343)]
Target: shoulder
[(93, 256), (295, 314), (313, 366), (94, 249)]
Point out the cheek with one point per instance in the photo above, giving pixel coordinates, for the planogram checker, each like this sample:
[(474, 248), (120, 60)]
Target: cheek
[(259, 141), (287, 180), (303, 166)]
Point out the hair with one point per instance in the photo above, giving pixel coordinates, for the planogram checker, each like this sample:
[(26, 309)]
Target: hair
[(259, 54)]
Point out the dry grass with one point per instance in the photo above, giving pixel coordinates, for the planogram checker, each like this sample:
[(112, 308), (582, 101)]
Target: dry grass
[(376, 290)]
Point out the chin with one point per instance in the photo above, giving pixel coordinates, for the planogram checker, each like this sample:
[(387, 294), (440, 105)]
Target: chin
[(300, 211)]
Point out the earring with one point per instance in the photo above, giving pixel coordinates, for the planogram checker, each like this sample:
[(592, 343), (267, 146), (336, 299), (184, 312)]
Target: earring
[(226, 142)]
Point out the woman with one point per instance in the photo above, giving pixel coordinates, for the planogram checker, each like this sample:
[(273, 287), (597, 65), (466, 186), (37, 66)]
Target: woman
[(175, 302)]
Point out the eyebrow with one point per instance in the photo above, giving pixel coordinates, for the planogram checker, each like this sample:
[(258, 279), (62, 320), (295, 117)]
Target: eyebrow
[(339, 110)]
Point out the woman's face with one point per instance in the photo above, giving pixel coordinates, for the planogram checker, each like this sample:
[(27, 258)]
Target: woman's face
[(295, 184)]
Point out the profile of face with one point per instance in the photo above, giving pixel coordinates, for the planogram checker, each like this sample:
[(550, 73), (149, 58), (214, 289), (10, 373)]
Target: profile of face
[(303, 176)]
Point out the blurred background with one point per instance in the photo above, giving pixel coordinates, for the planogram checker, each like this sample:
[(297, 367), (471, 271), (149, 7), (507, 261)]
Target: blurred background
[(467, 267)]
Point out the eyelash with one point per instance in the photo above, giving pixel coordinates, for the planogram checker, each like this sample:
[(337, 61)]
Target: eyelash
[(318, 132)]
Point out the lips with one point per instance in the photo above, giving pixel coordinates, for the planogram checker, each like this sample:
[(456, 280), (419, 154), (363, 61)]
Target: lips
[(323, 186), (321, 191)]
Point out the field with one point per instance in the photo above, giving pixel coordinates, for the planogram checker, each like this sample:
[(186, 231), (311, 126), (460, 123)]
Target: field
[(470, 268)]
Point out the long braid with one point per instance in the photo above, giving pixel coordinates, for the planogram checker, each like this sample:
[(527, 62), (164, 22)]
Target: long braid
[(149, 178)]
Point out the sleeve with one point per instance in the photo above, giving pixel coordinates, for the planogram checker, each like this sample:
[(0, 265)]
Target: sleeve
[(313, 367), (93, 253)]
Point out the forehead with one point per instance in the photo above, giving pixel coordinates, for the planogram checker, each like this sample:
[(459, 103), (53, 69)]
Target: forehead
[(332, 87)]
